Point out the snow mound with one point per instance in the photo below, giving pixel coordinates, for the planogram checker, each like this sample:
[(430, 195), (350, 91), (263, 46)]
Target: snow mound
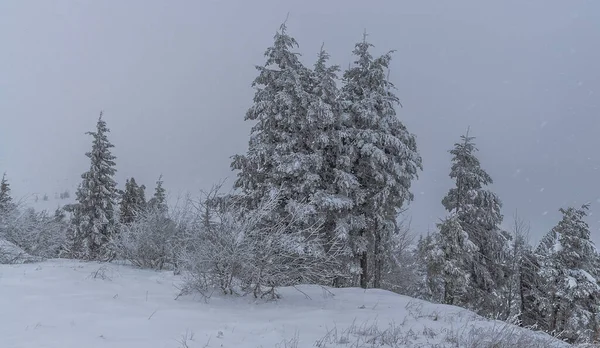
[(10, 253), (69, 304)]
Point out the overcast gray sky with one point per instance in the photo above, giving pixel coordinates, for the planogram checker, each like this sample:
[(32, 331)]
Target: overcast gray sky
[(173, 78)]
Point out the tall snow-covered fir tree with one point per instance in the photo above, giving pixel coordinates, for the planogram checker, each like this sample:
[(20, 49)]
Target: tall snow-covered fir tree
[(382, 156), (331, 193), (133, 201), (297, 145), (568, 264), (94, 213), (279, 160), (477, 210)]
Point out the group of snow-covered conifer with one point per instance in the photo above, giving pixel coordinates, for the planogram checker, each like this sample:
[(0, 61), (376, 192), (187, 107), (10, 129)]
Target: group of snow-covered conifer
[(317, 199)]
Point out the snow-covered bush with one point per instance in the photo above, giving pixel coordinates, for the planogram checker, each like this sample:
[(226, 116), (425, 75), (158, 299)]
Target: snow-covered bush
[(148, 241), (11, 254), (234, 250), (38, 234)]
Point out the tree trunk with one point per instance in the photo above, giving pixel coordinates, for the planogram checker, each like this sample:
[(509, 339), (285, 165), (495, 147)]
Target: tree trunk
[(448, 294), (364, 275), (378, 258)]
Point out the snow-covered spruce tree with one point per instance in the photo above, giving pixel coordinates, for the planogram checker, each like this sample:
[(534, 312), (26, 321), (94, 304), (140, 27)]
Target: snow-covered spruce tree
[(455, 259), (158, 202), (429, 268), (292, 153), (331, 192), (382, 156), (6, 203), (522, 290), (281, 157), (133, 201), (276, 161), (94, 215), (477, 210), (533, 296), (568, 261)]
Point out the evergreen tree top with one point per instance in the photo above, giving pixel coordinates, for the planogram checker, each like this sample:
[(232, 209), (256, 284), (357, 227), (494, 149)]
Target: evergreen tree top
[(369, 72), (466, 165), (576, 249), (389, 157), (469, 198), (326, 76), (280, 53), (101, 158)]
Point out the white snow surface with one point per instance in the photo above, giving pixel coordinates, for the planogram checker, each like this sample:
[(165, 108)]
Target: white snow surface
[(59, 303)]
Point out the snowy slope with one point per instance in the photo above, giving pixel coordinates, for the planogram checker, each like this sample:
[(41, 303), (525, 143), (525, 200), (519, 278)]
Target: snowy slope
[(68, 304)]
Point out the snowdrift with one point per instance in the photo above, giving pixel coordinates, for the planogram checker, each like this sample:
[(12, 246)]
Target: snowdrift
[(69, 304)]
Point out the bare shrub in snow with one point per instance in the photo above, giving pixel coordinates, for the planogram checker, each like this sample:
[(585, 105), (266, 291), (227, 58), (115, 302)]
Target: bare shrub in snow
[(37, 233), (290, 343), (470, 335), (148, 241), (234, 250), (101, 273), (503, 335), (400, 269)]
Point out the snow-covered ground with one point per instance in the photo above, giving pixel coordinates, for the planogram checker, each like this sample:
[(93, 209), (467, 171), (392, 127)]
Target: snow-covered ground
[(65, 304)]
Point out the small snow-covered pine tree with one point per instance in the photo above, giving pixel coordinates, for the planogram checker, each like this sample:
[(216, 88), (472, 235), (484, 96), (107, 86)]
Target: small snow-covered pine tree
[(133, 201), (477, 210), (456, 252), (94, 215), (430, 263), (158, 202), (533, 295), (6, 203), (382, 156), (568, 265)]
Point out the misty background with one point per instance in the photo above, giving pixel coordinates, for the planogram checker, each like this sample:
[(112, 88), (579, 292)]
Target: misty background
[(173, 79)]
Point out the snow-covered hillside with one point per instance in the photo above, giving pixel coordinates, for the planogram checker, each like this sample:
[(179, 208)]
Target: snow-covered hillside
[(65, 304)]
